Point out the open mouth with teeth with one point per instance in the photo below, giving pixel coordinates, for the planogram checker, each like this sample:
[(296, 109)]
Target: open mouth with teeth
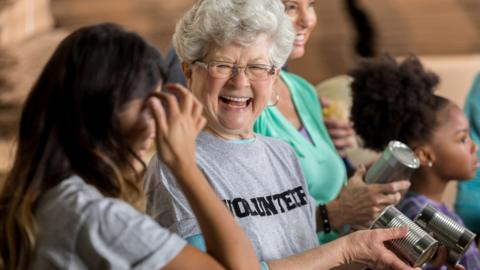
[(299, 38), (236, 102)]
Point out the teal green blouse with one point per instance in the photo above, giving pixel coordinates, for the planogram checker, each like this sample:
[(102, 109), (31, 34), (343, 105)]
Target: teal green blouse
[(323, 168)]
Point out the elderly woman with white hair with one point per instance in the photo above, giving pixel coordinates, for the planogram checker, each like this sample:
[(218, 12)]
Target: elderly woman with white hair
[(231, 51)]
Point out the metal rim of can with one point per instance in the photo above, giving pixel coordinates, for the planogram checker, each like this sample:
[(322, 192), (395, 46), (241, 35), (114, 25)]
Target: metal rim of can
[(394, 146)]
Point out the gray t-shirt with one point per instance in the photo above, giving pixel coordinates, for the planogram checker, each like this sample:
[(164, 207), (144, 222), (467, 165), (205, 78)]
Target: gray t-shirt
[(260, 182), (79, 228)]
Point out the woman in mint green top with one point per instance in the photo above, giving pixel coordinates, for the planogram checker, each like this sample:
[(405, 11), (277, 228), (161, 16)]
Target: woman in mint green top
[(318, 157), (296, 118)]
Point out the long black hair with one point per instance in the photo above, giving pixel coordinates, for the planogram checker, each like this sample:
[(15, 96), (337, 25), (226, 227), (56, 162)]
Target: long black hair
[(69, 125)]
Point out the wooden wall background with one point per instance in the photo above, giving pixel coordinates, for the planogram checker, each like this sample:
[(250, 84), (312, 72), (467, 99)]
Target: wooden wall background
[(445, 32)]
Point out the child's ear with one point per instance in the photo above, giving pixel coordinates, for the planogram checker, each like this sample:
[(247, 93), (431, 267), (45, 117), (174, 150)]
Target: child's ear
[(187, 72), (425, 155)]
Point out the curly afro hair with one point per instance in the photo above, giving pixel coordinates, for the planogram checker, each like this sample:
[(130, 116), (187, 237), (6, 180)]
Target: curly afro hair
[(394, 101)]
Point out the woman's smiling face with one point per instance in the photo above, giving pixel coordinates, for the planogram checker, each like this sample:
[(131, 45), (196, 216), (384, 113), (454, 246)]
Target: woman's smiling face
[(232, 104), (303, 17)]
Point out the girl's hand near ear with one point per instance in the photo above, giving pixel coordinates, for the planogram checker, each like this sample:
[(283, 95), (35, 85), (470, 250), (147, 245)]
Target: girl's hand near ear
[(178, 120)]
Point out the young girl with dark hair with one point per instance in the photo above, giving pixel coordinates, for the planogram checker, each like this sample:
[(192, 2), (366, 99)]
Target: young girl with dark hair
[(74, 197), (396, 101)]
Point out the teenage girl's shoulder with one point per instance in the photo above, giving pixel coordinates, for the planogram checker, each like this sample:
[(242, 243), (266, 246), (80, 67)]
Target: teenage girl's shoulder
[(100, 229), (69, 196)]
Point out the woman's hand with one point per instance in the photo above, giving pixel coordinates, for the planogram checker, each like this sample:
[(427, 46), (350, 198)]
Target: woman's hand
[(177, 125), (359, 203), (440, 259), (341, 132), (368, 247)]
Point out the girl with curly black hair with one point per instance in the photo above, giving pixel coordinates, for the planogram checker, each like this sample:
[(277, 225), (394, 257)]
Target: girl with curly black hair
[(396, 101)]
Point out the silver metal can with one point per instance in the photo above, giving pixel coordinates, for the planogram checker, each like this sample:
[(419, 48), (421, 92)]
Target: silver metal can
[(397, 162), (454, 236), (417, 247)]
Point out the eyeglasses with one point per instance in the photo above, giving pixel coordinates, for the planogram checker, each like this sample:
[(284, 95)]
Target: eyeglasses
[(223, 70)]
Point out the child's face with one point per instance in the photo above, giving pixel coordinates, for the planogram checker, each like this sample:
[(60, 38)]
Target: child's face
[(455, 154)]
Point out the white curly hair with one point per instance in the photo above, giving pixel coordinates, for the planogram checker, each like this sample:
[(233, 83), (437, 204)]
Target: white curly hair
[(223, 22)]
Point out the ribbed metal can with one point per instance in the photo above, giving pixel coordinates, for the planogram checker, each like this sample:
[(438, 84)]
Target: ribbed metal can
[(417, 247), (454, 236), (397, 162)]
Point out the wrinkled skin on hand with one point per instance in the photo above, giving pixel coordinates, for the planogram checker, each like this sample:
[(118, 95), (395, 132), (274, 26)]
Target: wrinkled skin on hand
[(368, 248), (359, 203), (440, 259)]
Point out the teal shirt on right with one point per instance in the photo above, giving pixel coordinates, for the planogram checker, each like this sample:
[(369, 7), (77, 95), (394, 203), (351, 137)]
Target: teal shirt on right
[(323, 168)]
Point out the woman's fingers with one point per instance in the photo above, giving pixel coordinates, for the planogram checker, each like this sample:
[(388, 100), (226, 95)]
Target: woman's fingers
[(360, 172), (189, 105), (180, 101), (393, 187), (342, 143), (185, 97), (389, 258), (172, 108), (201, 122), (440, 257), (325, 102), (197, 109), (158, 114), (393, 262), (198, 118), (388, 199), (371, 249), (357, 178), (392, 233), (338, 128), (341, 133)]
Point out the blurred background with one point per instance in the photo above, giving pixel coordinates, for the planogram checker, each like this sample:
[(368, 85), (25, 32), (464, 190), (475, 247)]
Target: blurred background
[(445, 33)]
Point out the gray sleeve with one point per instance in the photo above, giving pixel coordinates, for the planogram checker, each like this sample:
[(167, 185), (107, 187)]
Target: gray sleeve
[(113, 235), (166, 202)]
